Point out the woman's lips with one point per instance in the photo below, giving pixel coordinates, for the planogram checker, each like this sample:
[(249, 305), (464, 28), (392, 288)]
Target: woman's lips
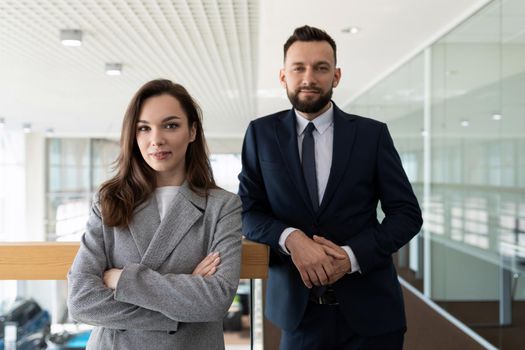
[(160, 155)]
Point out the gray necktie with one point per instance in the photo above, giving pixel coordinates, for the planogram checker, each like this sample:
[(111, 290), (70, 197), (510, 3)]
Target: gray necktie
[(309, 173)]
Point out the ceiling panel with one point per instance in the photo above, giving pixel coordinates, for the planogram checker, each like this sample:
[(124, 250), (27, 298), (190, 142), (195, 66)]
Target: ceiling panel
[(208, 46), (226, 52)]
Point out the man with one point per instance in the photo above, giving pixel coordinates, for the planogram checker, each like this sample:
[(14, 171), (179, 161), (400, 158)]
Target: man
[(310, 184)]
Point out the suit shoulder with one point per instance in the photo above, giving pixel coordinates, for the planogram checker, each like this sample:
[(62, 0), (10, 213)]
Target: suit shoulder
[(270, 118), (365, 121)]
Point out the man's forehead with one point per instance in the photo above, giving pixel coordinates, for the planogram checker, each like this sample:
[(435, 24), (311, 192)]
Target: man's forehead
[(310, 52)]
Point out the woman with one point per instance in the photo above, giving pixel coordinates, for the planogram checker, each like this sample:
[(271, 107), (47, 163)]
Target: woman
[(159, 263)]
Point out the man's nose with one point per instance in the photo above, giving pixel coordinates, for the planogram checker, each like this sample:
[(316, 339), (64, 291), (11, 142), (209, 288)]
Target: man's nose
[(308, 77)]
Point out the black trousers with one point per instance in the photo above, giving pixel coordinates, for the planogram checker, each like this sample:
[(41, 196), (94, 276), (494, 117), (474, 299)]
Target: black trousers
[(324, 328)]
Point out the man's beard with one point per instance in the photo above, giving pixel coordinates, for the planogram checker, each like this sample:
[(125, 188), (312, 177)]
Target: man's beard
[(310, 106)]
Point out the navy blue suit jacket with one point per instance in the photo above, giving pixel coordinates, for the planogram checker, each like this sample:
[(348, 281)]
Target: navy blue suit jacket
[(365, 169)]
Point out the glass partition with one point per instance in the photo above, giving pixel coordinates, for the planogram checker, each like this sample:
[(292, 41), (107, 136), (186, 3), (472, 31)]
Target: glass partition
[(465, 94), (75, 169), (12, 182)]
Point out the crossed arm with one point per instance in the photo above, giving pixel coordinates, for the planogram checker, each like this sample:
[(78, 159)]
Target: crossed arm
[(134, 304), (207, 267)]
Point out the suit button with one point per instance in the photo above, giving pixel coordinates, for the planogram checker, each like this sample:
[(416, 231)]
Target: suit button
[(172, 332)]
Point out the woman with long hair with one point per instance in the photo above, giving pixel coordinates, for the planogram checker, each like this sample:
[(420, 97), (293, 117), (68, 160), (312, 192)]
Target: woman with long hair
[(159, 263)]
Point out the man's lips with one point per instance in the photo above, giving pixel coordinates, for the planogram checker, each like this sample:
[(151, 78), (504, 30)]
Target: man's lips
[(310, 91)]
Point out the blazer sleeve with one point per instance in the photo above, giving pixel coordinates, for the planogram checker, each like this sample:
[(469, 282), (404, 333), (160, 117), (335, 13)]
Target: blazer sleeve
[(186, 297), (402, 219), (259, 223), (91, 302)]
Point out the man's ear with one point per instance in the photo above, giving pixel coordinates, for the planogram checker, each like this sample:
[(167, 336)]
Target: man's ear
[(282, 78), (337, 77)]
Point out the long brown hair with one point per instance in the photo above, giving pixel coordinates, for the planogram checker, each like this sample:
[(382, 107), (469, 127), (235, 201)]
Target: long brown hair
[(135, 180)]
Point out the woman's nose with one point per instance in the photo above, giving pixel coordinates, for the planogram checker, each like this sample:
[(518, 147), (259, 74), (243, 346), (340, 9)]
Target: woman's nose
[(157, 139)]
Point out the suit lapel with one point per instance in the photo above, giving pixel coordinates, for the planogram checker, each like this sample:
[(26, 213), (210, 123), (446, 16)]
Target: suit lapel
[(180, 217), (344, 136), (144, 224), (287, 139)]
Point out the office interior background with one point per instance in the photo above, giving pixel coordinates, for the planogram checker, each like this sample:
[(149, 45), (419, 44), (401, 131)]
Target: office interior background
[(448, 77)]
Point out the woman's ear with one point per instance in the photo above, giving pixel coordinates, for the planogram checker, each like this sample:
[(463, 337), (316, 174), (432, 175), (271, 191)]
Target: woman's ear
[(193, 133)]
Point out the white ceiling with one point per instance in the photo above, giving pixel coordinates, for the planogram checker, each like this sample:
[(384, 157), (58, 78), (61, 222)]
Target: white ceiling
[(226, 52)]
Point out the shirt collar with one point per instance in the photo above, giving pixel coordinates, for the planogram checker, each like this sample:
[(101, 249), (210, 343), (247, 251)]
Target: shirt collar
[(321, 122)]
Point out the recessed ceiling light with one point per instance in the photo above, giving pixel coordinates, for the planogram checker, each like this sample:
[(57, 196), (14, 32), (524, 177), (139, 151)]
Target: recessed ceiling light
[(113, 68), (351, 30), (71, 37), (465, 123), (26, 127), (497, 116)]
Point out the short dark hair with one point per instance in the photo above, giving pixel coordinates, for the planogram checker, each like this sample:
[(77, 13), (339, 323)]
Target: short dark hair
[(307, 33)]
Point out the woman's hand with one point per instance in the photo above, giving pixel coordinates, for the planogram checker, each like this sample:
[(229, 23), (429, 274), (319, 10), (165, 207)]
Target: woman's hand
[(111, 278), (208, 265)]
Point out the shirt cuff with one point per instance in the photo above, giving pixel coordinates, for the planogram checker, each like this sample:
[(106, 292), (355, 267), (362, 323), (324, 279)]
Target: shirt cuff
[(353, 261), (283, 237)]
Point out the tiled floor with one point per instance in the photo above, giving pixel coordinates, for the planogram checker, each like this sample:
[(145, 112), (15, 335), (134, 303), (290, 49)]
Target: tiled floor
[(482, 317)]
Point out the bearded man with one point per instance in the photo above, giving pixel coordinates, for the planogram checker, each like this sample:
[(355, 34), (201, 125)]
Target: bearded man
[(311, 180)]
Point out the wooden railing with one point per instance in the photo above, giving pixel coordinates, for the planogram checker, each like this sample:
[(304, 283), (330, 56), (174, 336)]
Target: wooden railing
[(51, 260)]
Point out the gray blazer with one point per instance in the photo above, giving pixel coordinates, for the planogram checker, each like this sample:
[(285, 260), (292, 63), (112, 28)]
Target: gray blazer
[(158, 304)]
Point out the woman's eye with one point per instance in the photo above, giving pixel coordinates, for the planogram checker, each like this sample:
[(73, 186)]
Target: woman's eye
[(171, 126), (143, 128)]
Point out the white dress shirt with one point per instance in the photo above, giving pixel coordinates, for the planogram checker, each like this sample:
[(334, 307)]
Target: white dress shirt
[(324, 144)]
